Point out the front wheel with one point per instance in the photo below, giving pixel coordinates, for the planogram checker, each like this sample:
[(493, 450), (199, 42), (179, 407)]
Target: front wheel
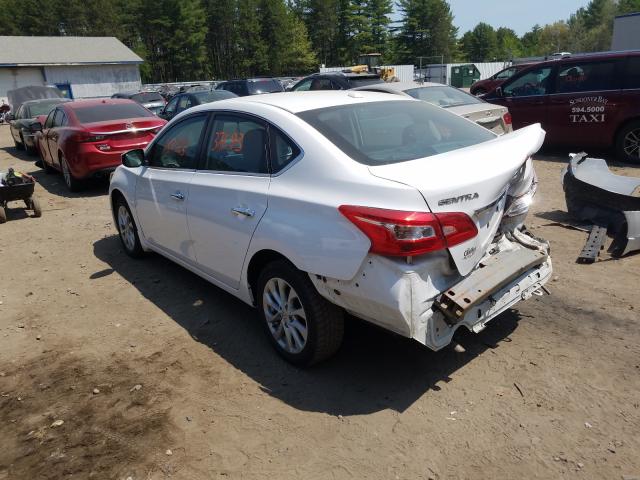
[(303, 326), (127, 229), (628, 143)]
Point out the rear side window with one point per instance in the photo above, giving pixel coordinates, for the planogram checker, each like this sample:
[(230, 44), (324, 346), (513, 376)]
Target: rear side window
[(586, 77), (283, 150), (179, 146), (237, 144), (632, 73), (381, 133), (110, 111), (503, 75)]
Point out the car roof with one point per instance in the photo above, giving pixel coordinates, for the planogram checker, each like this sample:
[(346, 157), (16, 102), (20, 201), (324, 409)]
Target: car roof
[(586, 57), (296, 102), (99, 101)]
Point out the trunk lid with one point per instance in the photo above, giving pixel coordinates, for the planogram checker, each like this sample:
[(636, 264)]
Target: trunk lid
[(473, 180), (486, 115)]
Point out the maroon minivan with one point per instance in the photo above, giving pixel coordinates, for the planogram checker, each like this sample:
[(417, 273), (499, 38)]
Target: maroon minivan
[(582, 101)]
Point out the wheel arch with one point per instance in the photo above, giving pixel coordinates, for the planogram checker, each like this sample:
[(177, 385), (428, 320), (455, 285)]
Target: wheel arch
[(259, 260), (623, 125)]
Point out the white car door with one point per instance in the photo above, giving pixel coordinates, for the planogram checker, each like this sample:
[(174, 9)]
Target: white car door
[(163, 187), (229, 194)]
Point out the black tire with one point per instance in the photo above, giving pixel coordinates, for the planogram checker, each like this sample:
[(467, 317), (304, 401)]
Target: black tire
[(27, 148), (73, 184), (324, 321), (628, 143), (48, 169), (3, 215), (19, 146), (131, 245), (35, 206)]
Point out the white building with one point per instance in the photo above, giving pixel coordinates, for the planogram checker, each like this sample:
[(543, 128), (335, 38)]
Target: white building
[(81, 67)]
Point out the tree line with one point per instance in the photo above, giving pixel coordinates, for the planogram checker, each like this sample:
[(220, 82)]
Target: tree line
[(183, 40)]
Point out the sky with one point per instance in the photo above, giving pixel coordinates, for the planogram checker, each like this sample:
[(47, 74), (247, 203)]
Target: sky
[(519, 15)]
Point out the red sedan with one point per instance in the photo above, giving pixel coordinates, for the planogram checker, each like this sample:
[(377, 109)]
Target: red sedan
[(86, 138)]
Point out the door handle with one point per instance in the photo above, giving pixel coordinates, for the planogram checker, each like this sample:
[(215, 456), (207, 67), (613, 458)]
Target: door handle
[(178, 196), (245, 211)]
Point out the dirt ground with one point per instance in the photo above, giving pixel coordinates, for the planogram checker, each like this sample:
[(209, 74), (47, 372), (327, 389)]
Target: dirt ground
[(188, 387)]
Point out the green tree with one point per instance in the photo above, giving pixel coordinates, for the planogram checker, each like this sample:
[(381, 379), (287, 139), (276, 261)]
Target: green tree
[(426, 30), (481, 45), (509, 45)]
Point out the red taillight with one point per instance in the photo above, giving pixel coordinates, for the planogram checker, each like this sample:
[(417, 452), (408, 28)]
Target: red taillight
[(400, 233), (507, 118), (87, 137)]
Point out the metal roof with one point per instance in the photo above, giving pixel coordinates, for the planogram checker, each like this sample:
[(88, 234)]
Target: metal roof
[(27, 51)]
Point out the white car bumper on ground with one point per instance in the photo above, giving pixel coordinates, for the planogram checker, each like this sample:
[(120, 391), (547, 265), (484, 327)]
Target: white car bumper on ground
[(406, 299)]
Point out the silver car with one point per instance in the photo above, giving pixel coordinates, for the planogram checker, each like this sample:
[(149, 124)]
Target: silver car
[(493, 117)]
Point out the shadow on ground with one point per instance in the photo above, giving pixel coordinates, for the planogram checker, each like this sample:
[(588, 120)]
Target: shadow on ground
[(374, 370)]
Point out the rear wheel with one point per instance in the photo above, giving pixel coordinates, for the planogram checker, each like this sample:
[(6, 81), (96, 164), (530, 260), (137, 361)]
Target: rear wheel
[(28, 149), (127, 229), (19, 146), (628, 143), (73, 184), (303, 326)]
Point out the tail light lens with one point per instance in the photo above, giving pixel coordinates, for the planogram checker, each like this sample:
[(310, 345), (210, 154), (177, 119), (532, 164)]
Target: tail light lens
[(403, 234), (507, 118), (87, 137)]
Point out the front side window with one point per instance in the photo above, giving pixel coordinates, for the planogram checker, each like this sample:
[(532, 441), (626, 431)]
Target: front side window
[(171, 106), (381, 133), (321, 84), (303, 86), (179, 146), (503, 75), (237, 144), (531, 83), (49, 122), (58, 120), (586, 77)]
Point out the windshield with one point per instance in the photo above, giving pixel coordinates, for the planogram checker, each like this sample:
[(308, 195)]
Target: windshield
[(206, 97), (147, 97), (443, 96), (264, 86), (380, 133), (40, 109), (110, 111)]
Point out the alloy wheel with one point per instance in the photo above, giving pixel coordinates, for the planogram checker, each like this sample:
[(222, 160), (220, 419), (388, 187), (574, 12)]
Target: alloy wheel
[(126, 228), (632, 143), (285, 315)]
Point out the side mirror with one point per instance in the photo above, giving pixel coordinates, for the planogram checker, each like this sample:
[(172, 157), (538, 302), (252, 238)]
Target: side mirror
[(36, 127), (133, 158), (499, 92)]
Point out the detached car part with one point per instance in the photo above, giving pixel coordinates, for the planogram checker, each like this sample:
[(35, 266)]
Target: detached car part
[(595, 194)]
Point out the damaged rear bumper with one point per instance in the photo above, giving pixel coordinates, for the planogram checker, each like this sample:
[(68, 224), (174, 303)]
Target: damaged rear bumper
[(596, 195), (408, 299)]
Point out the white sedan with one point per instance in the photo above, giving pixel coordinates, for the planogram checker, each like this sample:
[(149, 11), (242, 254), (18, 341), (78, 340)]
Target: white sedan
[(307, 205)]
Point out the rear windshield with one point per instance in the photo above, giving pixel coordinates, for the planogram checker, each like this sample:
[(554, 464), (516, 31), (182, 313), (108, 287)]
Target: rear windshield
[(363, 82), (264, 86), (381, 133), (444, 96), (147, 97), (41, 109), (206, 97), (105, 112)]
